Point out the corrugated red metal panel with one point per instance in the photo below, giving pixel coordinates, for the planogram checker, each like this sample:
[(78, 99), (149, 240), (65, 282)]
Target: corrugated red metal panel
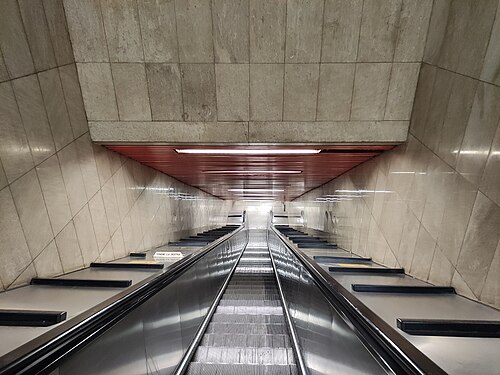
[(282, 176)]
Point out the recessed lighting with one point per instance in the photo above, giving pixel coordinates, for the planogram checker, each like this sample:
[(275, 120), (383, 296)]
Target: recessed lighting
[(364, 191), (255, 195), (250, 172), (257, 200), (338, 196), (250, 190), (231, 151)]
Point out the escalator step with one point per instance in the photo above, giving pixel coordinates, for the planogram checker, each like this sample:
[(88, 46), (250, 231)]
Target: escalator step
[(238, 369), (251, 297), (252, 279), (250, 290), (254, 270), (254, 264), (252, 286), (246, 328), (249, 356), (247, 318), (268, 310), (256, 281), (237, 303), (242, 340)]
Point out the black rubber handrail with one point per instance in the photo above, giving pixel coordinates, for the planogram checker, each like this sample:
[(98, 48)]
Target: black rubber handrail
[(44, 352), (390, 348)]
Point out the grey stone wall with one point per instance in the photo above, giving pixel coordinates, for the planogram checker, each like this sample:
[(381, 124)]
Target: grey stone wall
[(432, 205), (65, 202), (249, 61)]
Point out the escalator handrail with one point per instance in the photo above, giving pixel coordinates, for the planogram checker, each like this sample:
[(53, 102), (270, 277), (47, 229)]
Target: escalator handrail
[(44, 352), (382, 340)]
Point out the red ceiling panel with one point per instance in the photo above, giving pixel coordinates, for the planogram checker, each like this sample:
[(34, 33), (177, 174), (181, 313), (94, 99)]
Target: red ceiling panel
[(221, 174)]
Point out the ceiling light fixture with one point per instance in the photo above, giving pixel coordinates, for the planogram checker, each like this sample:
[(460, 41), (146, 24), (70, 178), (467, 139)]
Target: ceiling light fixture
[(231, 151), (250, 190), (251, 172), (364, 191), (254, 195), (258, 200)]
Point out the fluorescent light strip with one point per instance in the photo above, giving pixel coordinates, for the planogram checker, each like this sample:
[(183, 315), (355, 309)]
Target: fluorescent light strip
[(250, 190), (258, 200), (364, 191), (251, 172), (256, 195), (231, 151)]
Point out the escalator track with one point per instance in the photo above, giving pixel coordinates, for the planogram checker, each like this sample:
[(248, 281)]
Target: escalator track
[(248, 333)]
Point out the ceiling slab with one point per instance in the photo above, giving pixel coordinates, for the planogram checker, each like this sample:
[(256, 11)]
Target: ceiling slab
[(242, 176), (288, 132)]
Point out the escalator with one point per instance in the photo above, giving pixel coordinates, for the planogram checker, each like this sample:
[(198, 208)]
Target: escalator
[(245, 304), (248, 333)]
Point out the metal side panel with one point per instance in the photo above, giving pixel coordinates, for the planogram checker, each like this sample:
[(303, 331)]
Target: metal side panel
[(120, 353), (162, 332), (74, 300), (154, 337), (328, 343), (455, 355), (189, 306)]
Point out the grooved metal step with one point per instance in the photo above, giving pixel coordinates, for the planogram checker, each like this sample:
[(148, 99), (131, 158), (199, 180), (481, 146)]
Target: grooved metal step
[(196, 368), (224, 302), (254, 284), (268, 310), (249, 356), (246, 328), (244, 340), (251, 296), (247, 318), (262, 292)]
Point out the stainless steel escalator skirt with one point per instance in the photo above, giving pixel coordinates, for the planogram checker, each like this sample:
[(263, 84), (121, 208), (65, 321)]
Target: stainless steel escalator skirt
[(153, 338)]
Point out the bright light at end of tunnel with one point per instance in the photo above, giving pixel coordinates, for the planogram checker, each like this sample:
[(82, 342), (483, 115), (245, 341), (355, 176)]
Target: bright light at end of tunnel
[(231, 151)]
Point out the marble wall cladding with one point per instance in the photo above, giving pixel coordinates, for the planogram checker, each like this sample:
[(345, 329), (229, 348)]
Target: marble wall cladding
[(409, 208), (64, 201), (84, 204), (460, 36), (432, 205), (249, 60)]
